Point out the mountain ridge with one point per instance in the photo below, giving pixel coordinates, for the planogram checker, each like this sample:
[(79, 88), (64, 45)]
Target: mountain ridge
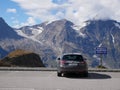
[(60, 37), (4, 27)]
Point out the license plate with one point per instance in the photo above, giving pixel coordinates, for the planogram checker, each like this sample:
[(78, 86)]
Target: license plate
[(73, 64)]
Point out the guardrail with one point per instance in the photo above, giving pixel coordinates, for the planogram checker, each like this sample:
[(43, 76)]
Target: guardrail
[(104, 70), (27, 69), (51, 69)]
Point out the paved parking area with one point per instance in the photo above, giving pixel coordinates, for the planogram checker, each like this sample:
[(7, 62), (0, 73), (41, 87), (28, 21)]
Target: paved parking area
[(47, 80)]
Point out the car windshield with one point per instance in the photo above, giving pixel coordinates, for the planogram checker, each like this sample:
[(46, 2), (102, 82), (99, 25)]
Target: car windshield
[(73, 57)]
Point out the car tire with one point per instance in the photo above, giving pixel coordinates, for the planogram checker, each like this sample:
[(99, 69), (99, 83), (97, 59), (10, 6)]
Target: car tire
[(59, 74), (86, 74)]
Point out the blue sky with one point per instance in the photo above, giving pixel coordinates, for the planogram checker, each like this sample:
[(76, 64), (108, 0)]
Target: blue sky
[(19, 13), (11, 12)]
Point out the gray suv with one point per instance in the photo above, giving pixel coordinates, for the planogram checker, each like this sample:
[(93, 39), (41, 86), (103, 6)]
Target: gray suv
[(72, 63)]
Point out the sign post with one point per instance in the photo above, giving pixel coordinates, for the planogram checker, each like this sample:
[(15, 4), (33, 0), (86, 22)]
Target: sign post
[(101, 51)]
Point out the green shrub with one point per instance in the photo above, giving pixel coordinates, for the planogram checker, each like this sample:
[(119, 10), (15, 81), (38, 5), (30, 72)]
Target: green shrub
[(101, 67)]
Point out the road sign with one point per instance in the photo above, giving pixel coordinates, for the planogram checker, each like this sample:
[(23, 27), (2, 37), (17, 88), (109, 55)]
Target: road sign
[(101, 50)]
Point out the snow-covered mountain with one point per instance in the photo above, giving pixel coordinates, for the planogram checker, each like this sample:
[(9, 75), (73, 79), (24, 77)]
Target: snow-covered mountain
[(11, 40), (30, 32), (104, 33), (52, 39)]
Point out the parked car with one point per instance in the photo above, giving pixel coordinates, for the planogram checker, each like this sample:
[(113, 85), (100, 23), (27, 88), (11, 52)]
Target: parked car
[(72, 63)]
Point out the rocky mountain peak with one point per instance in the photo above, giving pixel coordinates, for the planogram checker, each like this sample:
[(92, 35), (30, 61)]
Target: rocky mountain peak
[(2, 20), (7, 32), (63, 22), (58, 31), (102, 27), (3, 24)]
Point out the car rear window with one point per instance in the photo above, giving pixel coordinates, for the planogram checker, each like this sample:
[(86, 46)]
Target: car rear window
[(73, 57)]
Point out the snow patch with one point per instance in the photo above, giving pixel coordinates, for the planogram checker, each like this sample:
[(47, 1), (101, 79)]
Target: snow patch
[(78, 27), (113, 39), (75, 27), (82, 34), (36, 31), (48, 22), (117, 25), (32, 37), (100, 45), (19, 32)]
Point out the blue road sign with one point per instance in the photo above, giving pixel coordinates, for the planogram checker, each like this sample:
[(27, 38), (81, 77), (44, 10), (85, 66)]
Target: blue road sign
[(101, 50)]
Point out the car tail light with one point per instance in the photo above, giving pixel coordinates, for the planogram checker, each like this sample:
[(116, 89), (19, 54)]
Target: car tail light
[(62, 62), (82, 62)]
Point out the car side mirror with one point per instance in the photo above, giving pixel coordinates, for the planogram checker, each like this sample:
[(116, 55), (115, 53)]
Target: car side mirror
[(58, 58)]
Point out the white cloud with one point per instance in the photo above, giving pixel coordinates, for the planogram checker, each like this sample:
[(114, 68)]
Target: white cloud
[(11, 10), (30, 21), (74, 10)]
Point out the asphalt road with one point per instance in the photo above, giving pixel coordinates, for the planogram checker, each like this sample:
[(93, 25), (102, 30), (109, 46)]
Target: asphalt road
[(48, 80)]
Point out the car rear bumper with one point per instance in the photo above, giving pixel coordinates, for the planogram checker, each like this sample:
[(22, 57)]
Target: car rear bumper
[(72, 70)]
